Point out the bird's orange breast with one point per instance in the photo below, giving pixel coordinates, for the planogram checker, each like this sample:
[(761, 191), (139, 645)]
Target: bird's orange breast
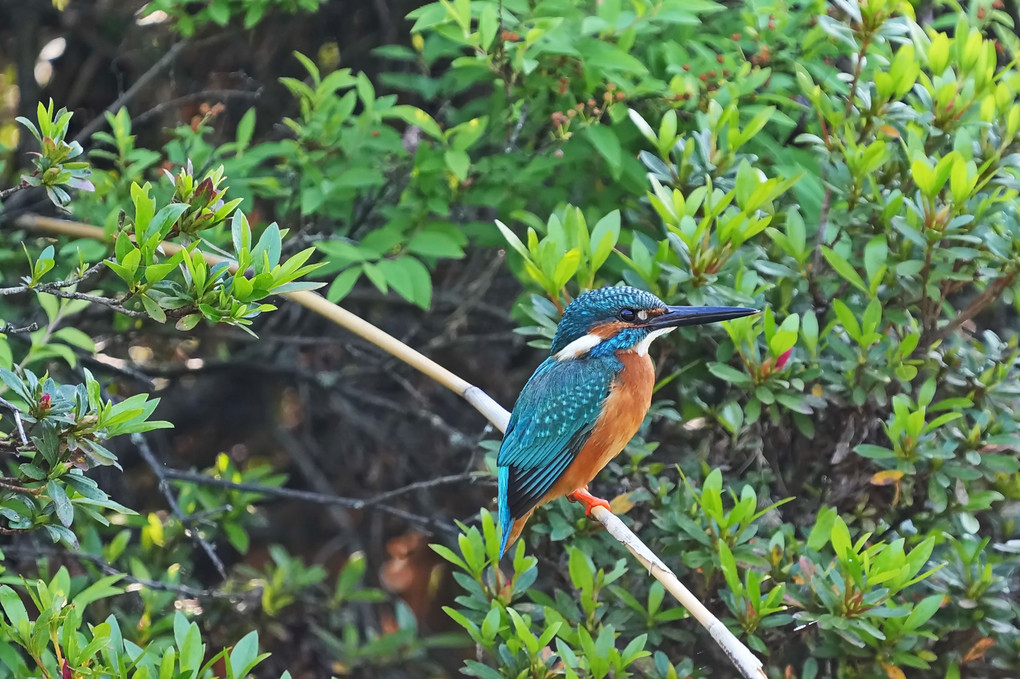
[(625, 408)]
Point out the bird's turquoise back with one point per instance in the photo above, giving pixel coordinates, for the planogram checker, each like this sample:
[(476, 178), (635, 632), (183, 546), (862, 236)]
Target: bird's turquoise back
[(551, 422)]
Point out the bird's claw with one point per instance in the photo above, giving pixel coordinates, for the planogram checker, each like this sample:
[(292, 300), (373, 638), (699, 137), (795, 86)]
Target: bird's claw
[(588, 501)]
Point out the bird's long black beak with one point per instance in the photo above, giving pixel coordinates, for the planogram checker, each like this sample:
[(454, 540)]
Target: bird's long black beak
[(678, 316)]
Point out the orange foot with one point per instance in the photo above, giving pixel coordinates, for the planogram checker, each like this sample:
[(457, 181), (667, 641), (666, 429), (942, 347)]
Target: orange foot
[(588, 501)]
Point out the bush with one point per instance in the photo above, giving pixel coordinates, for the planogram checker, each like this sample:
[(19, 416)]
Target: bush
[(837, 477)]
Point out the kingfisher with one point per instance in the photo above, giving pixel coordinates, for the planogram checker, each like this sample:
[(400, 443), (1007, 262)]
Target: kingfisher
[(586, 401)]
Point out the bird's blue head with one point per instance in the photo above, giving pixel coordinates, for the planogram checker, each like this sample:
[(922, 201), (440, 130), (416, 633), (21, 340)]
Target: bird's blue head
[(607, 320)]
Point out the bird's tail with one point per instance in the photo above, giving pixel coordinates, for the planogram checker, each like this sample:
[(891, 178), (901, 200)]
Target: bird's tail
[(503, 500)]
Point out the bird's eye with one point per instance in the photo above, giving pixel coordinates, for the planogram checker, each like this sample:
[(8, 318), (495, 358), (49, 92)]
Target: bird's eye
[(628, 315)]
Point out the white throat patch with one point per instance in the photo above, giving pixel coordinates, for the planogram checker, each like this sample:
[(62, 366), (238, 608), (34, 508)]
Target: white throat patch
[(579, 347), (641, 348)]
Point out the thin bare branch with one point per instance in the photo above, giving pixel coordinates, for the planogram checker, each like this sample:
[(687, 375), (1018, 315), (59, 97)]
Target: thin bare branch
[(11, 329), (991, 293), (155, 70), (8, 192), (54, 285), (17, 419), (164, 486), (204, 95), (428, 523), (468, 478)]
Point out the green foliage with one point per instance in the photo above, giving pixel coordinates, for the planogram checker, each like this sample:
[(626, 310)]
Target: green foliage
[(54, 167), (53, 641), (867, 257), (187, 19), (199, 290), (519, 638), (848, 168), (60, 433)]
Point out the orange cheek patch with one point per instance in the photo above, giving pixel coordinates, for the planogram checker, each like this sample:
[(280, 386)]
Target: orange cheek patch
[(608, 330)]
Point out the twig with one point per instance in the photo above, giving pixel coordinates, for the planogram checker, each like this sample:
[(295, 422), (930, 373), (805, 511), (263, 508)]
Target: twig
[(57, 289), (310, 496), (164, 62), (521, 119), (204, 95), (858, 67), (313, 474), (160, 471), (17, 419), (5, 193), (15, 488), (816, 259), (469, 477), (55, 285), (987, 296), (741, 656), (10, 329), (114, 304), (453, 435)]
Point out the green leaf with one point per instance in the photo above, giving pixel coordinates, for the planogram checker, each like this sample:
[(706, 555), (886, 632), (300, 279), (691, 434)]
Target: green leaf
[(155, 312), (822, 529), (240, 233), (605, 141), (76, 338), (730, 374), (14, 609), (843, 268), (186, 323), (566, 267), (435, 243), (376, 276), (244, 655), (580, 570), (421, 282), (343, 284), (100, 589), (729, 568), (512, 240), (809, 331), (923, 612), (415, 116), (874, 452), (219, 12), (164, 220), (458, 162), (795, 402), (875, 254), (64, 509), (245, 126), (192, 650), (604, 238), (839, 536), (847, 319)]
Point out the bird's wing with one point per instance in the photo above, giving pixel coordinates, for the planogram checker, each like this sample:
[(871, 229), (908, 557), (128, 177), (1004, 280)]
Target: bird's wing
[(551, 422)]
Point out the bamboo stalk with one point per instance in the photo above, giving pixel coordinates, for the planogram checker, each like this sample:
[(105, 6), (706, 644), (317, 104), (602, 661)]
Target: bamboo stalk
[(741, 656)]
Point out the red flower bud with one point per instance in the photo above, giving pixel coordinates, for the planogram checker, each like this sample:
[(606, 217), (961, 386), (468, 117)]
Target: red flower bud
[(783, 358)]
